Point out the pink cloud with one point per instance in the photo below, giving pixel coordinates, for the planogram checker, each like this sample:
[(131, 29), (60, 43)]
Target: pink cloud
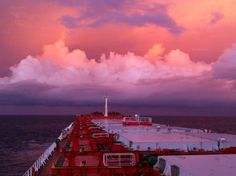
[(154, 52), (225, 66), (70, 77), (59, 54), (57, 65), (22, 34)]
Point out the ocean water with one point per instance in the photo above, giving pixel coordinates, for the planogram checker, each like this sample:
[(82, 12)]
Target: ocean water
[(24, 138), (215, 124)]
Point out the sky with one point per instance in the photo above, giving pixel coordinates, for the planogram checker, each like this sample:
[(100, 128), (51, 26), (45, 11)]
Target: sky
[(173, 57)]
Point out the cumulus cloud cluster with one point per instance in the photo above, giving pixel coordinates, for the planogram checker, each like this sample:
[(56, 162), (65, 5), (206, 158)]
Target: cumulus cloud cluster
[(58, 66), (61, 76)]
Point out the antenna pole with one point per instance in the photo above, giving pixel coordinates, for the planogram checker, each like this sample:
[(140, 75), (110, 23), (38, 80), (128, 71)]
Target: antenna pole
[(106, 107)]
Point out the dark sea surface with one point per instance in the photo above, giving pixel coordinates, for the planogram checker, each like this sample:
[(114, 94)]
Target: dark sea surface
[(215, 124), (24, 138)]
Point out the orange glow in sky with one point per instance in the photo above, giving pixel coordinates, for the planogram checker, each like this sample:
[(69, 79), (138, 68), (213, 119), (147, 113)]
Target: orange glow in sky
[(148, 48)]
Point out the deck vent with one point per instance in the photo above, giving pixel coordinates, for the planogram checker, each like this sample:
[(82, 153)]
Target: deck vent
[(162, 164), (174, 170)]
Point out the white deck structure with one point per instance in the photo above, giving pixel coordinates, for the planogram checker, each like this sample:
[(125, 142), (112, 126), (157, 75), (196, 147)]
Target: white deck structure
[(203, 165), (166, 137)]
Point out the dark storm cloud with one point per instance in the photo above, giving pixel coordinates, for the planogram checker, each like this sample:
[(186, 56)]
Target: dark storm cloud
[(99, 13), (93, 6), (35, 93), (171, 93), (69, 21), (23, 93)]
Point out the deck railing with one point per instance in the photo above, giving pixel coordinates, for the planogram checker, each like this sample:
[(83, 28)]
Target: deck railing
[(42, 160)]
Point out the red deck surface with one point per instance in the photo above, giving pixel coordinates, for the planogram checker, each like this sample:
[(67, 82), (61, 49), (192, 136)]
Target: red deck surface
[(86, 160)]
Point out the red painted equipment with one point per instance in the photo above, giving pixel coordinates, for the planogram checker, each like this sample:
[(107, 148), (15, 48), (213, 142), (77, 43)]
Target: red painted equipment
[(135, 121)]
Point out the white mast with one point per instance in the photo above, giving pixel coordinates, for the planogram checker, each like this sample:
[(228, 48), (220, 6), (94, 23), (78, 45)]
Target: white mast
[(106, 107)]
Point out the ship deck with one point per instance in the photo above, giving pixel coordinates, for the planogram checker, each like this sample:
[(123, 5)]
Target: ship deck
[(165, 137), (107, 146)]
